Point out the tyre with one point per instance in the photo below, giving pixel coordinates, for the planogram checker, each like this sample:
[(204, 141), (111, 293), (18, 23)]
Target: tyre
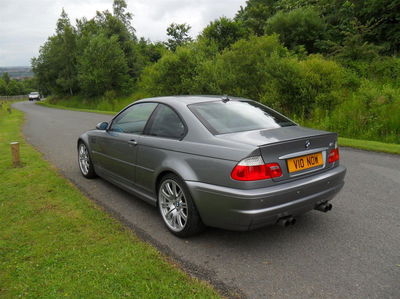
[(85, 162), (177, 207)]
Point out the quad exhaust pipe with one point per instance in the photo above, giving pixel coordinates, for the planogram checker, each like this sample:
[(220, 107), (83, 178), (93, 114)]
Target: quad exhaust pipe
[(323, 207), (290, 220), (286, 221)]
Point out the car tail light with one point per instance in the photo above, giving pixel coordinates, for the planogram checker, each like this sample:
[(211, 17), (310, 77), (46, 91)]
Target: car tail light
[(334, 154), (254, 169)]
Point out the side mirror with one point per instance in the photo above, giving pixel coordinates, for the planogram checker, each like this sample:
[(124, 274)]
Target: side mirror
[(102, 126)]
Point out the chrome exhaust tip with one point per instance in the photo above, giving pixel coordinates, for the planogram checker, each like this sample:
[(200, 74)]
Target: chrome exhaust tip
[(286, 221), (324, 207)]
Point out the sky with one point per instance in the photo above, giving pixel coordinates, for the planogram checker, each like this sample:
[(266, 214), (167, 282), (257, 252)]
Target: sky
[(26, 24)]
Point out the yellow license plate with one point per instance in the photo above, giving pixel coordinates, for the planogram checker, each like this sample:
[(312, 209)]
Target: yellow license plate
[(304, 162)]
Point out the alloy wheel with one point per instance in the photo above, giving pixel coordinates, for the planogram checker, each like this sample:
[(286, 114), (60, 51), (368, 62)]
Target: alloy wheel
[(173, 205), (84, 160)]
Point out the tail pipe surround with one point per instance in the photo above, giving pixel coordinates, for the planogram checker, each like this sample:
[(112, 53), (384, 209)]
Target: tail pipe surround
[(323, 207)]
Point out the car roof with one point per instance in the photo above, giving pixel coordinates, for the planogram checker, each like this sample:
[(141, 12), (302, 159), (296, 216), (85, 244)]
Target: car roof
[(186, 99)]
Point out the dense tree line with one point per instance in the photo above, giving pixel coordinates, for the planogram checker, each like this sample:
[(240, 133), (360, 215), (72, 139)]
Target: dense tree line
[(95, 56), (12, 87), (332, 64)]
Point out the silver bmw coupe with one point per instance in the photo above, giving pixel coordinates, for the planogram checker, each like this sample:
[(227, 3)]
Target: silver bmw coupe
[(214, 161)]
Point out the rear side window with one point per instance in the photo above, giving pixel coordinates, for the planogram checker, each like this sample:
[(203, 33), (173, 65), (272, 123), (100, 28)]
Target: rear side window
[(133, 119), (166, 123), (237, 116)]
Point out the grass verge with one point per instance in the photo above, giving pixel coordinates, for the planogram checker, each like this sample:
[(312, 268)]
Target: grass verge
[(370, 145), (55, 242), (45, 104)]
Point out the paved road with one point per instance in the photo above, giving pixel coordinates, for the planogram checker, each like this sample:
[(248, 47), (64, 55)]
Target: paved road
[(353, 251)]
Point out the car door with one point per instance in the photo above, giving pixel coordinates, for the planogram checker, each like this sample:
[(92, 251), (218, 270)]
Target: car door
[(163, 133), (118, 144)]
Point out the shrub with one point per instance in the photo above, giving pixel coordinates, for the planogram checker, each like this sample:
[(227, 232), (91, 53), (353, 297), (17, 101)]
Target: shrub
[(383, 69), (236, 71), (371, 112), (173, 74)]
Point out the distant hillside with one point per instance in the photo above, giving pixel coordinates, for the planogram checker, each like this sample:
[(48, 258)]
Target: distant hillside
[(17, 72)]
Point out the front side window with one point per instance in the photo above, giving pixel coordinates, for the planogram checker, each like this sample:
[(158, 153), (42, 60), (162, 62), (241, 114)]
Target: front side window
[(166, 123), (238, 116), (133, 119)]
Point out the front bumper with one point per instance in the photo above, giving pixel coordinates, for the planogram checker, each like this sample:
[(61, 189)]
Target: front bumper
[(237, 209)]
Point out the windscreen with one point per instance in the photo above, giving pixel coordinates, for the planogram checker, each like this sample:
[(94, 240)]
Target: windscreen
[(237, 116)]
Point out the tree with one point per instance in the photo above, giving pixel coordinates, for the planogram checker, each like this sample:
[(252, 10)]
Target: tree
[(223, 32), (382, 17), (3, 87), (103, 67), (299, 27), (149, 52), (66, 39), (119, 11), (6, 77), (55, 67), (117, 24), (178, 35), (255, 14), (355, 48)]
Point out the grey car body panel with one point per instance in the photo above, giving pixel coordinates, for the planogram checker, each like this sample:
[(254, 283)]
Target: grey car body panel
[(205, 162), (247, 209)]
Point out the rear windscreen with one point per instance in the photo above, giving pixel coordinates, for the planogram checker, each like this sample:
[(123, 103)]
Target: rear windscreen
[(238, 116)]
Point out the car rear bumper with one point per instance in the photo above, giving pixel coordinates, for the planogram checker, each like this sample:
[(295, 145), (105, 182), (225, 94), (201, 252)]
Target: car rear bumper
[(237, 209)]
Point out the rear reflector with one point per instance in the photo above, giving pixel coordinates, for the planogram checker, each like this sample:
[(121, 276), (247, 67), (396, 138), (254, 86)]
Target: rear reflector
[(254, 169), (333, 155)]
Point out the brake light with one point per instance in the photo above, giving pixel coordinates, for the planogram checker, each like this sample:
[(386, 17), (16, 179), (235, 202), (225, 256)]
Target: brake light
[(333, 155), (254, 169)]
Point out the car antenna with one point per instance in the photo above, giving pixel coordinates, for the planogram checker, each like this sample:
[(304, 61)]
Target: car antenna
[(225, 98)]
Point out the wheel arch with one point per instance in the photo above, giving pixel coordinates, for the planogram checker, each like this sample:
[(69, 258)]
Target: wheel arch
[(83, 138)]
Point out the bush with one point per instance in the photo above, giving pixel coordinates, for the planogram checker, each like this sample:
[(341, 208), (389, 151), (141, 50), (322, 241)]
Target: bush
[(175, 73), (371, 112), (271, 74), (383, 69), (296, 87), (237, 70)]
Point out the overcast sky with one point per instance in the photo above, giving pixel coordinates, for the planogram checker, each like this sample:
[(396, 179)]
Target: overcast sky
[(26, 24)]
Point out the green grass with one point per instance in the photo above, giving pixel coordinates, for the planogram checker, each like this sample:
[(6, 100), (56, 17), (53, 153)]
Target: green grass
[(54, 242), (46, 104), (109, 103), (370, 145)]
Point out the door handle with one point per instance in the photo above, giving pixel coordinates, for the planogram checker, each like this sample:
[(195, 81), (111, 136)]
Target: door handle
[(132, 142)]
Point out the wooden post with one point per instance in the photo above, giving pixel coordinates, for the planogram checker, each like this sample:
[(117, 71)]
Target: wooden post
[(15, 154)]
